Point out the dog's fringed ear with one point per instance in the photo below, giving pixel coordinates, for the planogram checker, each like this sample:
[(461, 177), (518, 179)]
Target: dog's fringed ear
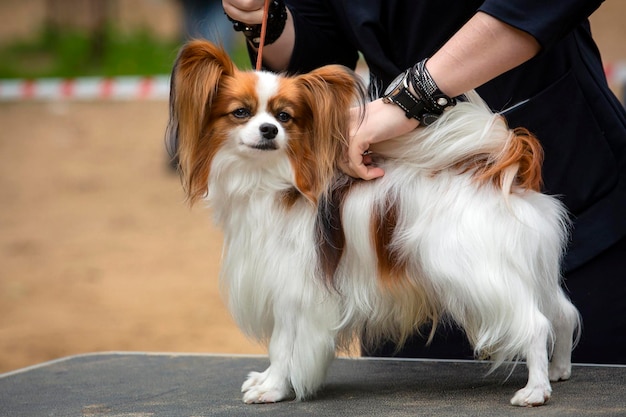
[(331, 92), (195, 79)]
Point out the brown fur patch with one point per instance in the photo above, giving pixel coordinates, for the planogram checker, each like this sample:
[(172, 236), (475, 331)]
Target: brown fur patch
[(410, 293), (289, 197), (383, 225), (523, 150)]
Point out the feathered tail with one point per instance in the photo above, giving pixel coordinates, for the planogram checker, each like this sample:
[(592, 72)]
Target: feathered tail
[(471, 138)]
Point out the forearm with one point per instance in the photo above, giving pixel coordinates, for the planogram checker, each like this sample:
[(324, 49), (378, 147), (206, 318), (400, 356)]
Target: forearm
[(482, 49)]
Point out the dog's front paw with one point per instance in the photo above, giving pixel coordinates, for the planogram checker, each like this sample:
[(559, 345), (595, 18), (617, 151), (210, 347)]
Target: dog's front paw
[(260, 387), (532, 396), (254, 379)]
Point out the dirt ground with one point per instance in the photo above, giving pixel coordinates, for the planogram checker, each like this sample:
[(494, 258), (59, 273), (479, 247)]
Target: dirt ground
[(98, 251)]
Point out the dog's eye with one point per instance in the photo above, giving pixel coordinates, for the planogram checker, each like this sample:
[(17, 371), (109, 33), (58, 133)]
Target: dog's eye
[(241, 113), (283, 117)]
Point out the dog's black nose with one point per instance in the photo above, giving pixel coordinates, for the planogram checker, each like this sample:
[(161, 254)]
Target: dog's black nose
[(268, 131)]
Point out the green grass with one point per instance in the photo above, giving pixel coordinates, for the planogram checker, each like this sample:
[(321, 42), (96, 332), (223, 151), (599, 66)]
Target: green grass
[(72, 53)]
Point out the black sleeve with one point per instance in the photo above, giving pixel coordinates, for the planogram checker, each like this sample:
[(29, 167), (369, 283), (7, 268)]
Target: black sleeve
[(546, 20), (319, 37)]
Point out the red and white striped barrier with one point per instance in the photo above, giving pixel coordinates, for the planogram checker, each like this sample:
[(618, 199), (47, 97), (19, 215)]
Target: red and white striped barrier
[(616, 73), (87, 88), (144, 88)]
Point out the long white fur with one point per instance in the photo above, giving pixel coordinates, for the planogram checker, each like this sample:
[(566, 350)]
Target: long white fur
[(491, 263)]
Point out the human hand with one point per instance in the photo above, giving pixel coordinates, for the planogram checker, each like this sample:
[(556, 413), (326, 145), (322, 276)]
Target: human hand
[(246, 11), (381, 121)]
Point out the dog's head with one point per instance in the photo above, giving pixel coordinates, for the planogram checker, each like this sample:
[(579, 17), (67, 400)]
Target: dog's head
[(257, 117)]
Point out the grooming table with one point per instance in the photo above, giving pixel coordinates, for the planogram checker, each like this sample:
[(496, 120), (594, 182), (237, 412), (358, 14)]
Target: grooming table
[(177, 385)]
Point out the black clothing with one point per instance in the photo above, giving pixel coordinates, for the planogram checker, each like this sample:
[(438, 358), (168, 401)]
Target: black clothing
[(566, 100), (561, 95)]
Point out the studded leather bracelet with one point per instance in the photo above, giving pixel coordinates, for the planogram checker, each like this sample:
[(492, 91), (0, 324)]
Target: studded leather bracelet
[(435, 101)]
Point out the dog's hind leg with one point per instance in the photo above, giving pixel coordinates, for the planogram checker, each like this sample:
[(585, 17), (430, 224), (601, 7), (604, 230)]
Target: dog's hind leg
[(565, 324), (537, 390)]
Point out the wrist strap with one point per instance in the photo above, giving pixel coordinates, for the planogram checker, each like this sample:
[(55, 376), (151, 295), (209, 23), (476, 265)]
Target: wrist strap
[(276, 20), (435, 101)]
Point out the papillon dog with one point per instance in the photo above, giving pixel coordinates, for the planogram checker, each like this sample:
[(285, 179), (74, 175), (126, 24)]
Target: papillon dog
[(456, 231)]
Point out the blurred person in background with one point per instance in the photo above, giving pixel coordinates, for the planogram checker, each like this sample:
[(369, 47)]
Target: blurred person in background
[(206, 19)]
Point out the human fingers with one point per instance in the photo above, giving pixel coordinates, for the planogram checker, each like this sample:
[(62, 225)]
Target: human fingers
[(360, 165), (357, 160), (246, 11)]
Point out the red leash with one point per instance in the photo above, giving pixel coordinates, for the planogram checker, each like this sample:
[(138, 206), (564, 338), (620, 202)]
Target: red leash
[(259, 57)]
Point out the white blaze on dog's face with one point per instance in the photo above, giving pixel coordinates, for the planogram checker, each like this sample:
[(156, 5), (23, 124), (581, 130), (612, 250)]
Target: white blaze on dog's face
[(262, 130), (257, 116)]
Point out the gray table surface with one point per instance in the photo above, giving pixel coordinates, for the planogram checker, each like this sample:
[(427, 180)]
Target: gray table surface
[(176, 385)]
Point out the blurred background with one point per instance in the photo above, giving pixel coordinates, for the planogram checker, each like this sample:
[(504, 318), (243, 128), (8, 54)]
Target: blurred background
[(98, 250)]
